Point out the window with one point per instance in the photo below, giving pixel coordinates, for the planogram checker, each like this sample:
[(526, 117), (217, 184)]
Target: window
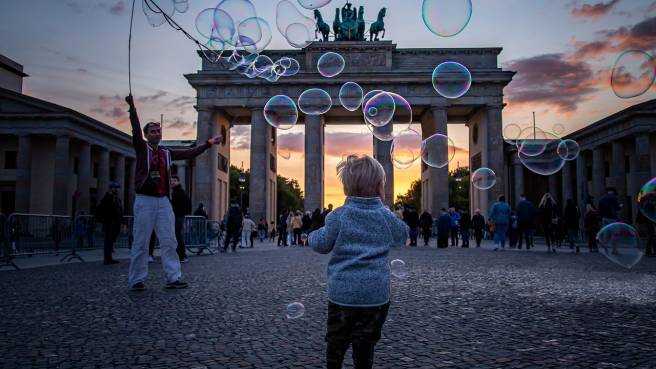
[(10, 159), (223, 163), (272, 162)]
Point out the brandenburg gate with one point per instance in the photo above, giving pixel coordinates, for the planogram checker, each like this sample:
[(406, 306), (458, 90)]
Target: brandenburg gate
[(226, 98)]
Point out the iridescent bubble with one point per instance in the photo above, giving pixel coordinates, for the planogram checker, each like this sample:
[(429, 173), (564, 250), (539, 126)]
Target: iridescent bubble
[(647, 200), (314, 101), (330, 64), (293, 67), (262, 63), (547, 162), (350, 96), (205, 23), (254, 34), (446, 18), (239, 10), (405, 148), (280, 112), (368, 97), (532, 141), (558, 129), (451, 79), (379, 110), (294, 310), (398, 269), (620, 243), (402, 111), (223, 26), (568, 149), (437, 151), (181, 6), (278, 68), (511, 133), (157, 10), (633, 74), (384, 133), (286, 15), (313, 4), (483, 178)]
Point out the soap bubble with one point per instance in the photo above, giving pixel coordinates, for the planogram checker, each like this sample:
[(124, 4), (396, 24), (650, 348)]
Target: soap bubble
[(156, 10), (280, 112), (302, 33), (398, 269), (647, 200), (558, 129), (406, 148), (548, 161), (532, 141), (446, 18), (511, 133), (350, 96), (254, 34), (620, 243), (330, 64), (379, 110), (437, 151), (568, 149), (239, 10), (294, 310), (181, 6), (451, 80), (298, 35), (293, 67), (314, 101), (313, 4), (223, 27), (633, 74), (402, 110), (483, 178)]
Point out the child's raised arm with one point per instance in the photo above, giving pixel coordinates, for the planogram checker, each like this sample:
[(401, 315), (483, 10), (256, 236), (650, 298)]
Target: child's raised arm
[(323, 239)]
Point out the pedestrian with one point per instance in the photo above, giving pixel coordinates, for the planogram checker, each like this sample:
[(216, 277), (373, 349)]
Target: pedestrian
[(571, 218), (290, 228), (297, 224), (411, 219), (426, 224), (592, 224), (455, 224), (443, 229), (247, 231), (399, 211), (262, 230), (200, 211), (512, 229), (110, 214), (548, 214), (152, 208), (526, 213), (359, 234), (233, 221), (478, 225), (645, 228), (272, 232), (317, 220), (307, 225), (282, 228), (465, 225), (609, 207), (500, 217), (181, 208)]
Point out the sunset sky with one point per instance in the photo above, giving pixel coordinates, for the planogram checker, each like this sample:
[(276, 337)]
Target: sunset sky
[(75, 52)]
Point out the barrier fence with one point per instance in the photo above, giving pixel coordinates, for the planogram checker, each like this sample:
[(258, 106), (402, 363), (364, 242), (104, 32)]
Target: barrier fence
[(25, 235)]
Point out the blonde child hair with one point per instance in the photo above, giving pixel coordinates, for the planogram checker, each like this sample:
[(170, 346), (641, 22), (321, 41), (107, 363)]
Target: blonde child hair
[(361, 176)]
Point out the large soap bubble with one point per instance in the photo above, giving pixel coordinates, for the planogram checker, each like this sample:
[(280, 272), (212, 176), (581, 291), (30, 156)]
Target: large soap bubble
[(633, 74), (511, 133), (647, 200), (483, 178), (223, 26), (292, 66), (313, 4), (314, 101), (437, 151), (254, 34), (239, 10), (330, 64), (398, 269), (156, 10), (297, 29), (406, 148), (402, 111), (548, 161), (568, 149), (620, 243), (379, 110), (532, 141), (280, 112), (446, 18), (350, 96), (294, 310), (451, 79)]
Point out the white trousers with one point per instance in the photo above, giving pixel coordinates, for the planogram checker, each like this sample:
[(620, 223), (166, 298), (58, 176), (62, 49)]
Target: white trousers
[(153, 213)]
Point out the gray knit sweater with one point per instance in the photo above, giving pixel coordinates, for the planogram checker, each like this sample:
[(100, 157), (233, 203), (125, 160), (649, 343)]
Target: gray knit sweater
[(359, 234)]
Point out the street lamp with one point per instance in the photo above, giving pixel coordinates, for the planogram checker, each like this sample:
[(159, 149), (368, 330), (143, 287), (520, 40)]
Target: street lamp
[(242, 187)]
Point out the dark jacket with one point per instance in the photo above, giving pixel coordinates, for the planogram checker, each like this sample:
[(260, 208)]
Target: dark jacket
[(200, 212), (110, 209), (547, 212), (465, 221), (478, 222), (143, 152), (609, 207), (526, 212), (412, 219), (307, 222), (317, 220), (571, 217), (180, 202), (591, 221), (234, 218), (444, 224), (425, 221)]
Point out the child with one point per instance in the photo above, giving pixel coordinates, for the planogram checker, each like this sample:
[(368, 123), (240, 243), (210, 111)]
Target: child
[(359, 234)]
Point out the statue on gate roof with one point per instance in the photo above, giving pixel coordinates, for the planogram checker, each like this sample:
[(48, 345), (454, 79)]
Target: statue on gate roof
[(349, 24)]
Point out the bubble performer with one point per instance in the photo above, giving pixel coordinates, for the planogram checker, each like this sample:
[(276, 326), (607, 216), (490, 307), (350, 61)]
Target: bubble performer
[(152, 207)]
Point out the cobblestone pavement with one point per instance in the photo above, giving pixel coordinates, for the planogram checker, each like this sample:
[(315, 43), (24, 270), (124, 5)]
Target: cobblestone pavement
[(458, 308)]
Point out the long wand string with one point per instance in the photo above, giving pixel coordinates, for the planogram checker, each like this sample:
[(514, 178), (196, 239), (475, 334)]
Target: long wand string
[(130, 50)]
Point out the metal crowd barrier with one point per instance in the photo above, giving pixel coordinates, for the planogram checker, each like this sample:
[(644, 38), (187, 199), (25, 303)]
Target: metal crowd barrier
[(194, 233), (6, 257), (35, 234)]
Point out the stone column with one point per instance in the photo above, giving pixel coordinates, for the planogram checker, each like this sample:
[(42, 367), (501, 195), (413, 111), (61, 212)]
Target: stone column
[(495, 155), (206, 166), (598, 174), (518, 184), (384, 156), (642, 168), (314, 151), (23, 173), (618, 174), (261, 187), (436, 179), (84, 178), (567, 190), (129, 186), (103, 173), (120, 177), (62, 175), (581, 182)]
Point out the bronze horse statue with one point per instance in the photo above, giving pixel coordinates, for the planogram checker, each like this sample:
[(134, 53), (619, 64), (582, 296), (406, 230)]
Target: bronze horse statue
[(322, 27), (377, 26), (337, 25)]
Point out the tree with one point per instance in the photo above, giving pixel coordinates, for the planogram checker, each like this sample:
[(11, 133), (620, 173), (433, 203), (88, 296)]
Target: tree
[(289, 192), (238, 190), (459, 188), (413, 196)]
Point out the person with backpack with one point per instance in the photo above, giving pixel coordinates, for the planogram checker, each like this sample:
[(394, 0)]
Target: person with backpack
[(233, 222)]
